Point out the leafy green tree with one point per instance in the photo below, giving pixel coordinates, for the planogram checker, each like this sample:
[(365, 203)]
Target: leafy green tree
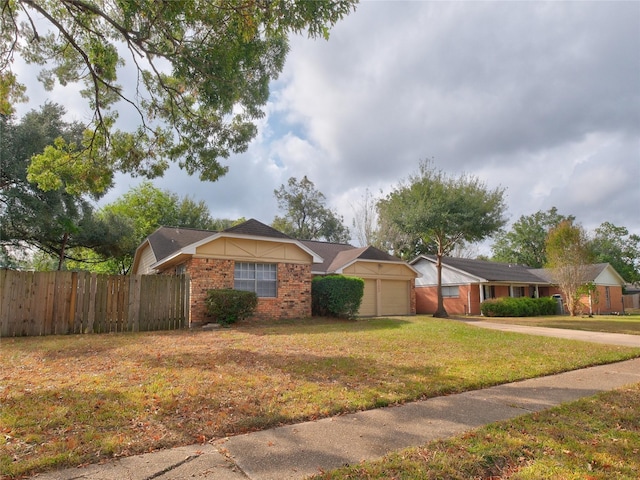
[(54, 222), (145, 208), (614, 245), (569, 255), (365, 220), (445, 210), (306, 216), (525, 242), (203, 73)]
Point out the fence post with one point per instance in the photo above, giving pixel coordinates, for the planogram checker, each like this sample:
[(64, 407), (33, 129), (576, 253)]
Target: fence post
[(73, 297), (134, 304), (4, 303)]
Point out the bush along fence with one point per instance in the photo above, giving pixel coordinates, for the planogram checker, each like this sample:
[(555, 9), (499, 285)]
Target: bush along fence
[(59, 303)]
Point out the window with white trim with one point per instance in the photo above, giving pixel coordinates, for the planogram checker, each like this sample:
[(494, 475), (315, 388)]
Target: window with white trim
[(261, 278), (518, 292), (451, 291)]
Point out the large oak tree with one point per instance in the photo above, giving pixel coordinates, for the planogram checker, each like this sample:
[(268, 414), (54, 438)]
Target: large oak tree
[(53, 222), (201, 74), (306, 216), (434, 207)]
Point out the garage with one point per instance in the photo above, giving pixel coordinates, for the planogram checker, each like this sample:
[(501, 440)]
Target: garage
[(368, 307), (385, 297), (388, 281), (395, 297)]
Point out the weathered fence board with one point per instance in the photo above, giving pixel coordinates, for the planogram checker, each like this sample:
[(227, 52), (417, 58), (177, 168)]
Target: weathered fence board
[(56, 303)]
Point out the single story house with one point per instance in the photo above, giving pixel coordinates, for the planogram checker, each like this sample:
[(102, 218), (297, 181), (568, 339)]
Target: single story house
[(608, 295), (466, 283), (254, 256)]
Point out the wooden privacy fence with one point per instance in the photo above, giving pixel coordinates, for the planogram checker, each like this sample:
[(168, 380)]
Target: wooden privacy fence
[(631, 301), (58, 303)]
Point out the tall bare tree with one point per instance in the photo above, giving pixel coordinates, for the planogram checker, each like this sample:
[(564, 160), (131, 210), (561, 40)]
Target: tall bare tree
[(568, 258), (365, 220)]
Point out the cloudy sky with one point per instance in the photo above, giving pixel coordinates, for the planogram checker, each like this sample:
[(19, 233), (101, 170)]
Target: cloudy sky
[(542, 99)]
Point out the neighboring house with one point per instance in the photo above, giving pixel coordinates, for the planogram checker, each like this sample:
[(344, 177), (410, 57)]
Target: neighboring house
[(466, 283), (608, 295), (253, 256)]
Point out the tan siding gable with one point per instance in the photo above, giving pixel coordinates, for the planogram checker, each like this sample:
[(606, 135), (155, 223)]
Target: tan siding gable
[(380, 270), (257, 250), (147, 258)]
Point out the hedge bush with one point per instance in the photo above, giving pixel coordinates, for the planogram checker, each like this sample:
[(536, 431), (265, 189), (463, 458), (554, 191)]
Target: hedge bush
[(336, 296), (228, 306), (518, 307)]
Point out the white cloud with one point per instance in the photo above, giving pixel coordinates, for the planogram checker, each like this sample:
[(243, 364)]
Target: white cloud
[(542, 98)]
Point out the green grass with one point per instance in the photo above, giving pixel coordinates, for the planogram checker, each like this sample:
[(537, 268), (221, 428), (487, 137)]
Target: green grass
[(593, 438), (628, 324), (80, 399)]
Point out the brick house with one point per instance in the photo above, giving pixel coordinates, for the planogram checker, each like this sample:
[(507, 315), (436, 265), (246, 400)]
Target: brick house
[(466, 283), (609, 287), (254, 256)]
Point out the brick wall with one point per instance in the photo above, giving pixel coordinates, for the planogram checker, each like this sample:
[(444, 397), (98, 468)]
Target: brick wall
[(427, 301), (294, 289), (294, 294), (207, 274)]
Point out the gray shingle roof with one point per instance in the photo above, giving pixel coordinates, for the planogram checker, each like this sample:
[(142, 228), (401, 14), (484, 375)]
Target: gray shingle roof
[(492, 271), (167, 240), (256, 228), (591, 272), (327, 250), (337, 255)]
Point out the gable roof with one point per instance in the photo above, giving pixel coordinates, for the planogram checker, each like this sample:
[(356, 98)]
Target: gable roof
[(487, 271), (592, 273), (255, 228), (167, 240), (328, 251), (338, 256), (169, 243)]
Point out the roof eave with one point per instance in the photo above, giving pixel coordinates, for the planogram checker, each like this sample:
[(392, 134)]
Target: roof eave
[(191, 249), (351, 262)]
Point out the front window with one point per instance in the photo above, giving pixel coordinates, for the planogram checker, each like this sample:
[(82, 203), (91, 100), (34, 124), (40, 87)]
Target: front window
[(451, 292), (518, 292), (489, 291), (260, 278)]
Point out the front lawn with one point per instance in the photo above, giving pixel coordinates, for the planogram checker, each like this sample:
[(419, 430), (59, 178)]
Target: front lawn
[(69, 400), (629, 324)]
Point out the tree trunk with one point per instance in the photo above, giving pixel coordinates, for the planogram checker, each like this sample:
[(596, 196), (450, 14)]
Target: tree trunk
[(63, 247), (440, 311)]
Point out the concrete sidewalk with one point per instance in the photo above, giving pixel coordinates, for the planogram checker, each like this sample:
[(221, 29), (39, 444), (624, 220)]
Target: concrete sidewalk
[(296, 451), (586, 336)]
